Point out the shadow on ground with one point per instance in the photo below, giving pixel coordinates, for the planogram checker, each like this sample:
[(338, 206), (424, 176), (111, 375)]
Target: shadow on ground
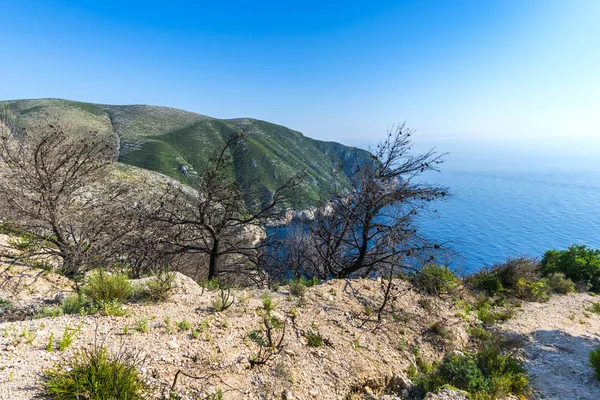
[(560, 365)]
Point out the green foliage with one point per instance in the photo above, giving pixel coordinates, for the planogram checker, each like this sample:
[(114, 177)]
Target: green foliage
[(102, 287), (485, 374), (223, 301), (297, 288), (257, 337), (141, 324), (184, 325), (531, 290), (314, 340), (68, 337), (75, 304), (595, 361), (558, 283), (113, 308), (95, 375), (489, 314), (518, 277), (436, 279), (211, 284), (578, 263), (23, 242), (50, 344), (267, 302), (595, 308), (159, 287)]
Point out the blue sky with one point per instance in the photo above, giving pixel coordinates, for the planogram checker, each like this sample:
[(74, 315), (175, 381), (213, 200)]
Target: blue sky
[(499, 71)]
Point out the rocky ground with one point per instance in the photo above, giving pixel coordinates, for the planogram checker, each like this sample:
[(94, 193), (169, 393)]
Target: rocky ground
[(357, 356), (560, 335)]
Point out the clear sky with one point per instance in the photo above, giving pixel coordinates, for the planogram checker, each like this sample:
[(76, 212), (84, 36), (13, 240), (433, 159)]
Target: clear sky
[(510, 71)]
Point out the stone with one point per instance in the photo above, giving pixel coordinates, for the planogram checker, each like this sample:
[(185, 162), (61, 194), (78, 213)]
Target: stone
[(289, 352)]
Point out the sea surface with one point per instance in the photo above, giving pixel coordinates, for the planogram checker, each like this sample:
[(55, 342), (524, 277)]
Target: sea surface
[(507, 204)]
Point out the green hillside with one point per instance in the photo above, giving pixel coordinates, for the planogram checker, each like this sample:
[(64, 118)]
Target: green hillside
[(177, 143)]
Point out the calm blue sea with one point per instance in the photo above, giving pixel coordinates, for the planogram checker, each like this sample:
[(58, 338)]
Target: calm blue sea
[(507, 204)]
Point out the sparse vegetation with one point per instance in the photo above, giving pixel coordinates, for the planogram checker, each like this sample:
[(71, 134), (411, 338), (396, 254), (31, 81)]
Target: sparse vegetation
[(517, 277), (103, 288), (159, 286), (223, 301), (314, 339), (297, 288), (594, 307), (68, 337), (595, 361), (560, 284), (94, 374), (141, 324), (436, 279), (184, 325)]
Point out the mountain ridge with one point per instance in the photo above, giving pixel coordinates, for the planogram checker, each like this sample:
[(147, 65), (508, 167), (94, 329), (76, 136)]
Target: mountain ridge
[(177, 143)]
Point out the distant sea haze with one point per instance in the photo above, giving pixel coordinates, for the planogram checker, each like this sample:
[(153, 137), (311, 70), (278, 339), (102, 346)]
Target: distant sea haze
[(500, 210)]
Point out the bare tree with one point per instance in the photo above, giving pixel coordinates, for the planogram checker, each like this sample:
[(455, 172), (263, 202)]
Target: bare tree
[(54, 188), (371, 224), (213, 217)]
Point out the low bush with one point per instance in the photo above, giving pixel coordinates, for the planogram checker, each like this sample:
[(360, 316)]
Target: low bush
[(94, 374), (314, 340), (594, 307), (485, 374), (579, 263), (223, 301), (102, 287), (531, 290), (518, 277), (436, 279), (75, 304), (297, 288), (489, 314), (595, 361), (558, 283), (159, 287)]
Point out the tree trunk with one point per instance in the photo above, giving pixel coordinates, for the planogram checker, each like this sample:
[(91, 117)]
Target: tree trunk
[(213, 262)]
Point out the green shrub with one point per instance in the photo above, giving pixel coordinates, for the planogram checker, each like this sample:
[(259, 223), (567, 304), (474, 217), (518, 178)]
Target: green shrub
[(487, 281), (25, 241), (595, 308), (297, 288), (68, 337), (488, 314), (518, 277), (578, 263), (159, 287), (114, 308), (436, 279), (184, 325), (595, 361), (95, 375), (75, 304), (102, 287), (485, 374), (531, 290), (267, 302), (223, 301), (141, 324), (560, 284), (314, 340)]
